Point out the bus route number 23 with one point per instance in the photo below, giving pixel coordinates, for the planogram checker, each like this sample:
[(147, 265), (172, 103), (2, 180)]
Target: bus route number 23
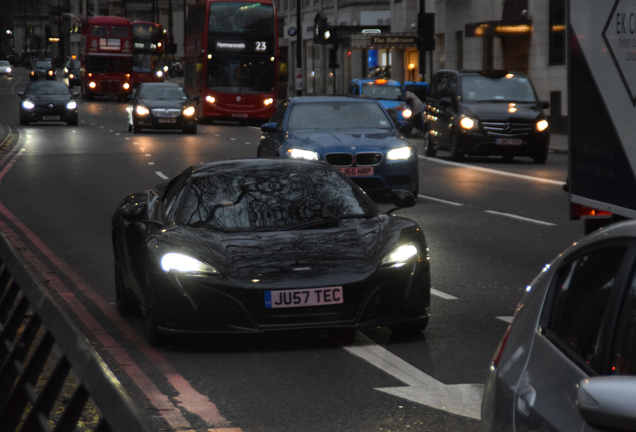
[(261, 46)]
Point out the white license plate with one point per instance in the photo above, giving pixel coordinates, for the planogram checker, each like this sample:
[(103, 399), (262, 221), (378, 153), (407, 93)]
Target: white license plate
[(241, 115), (50, 117), (508, 141), (303, 297), (162, 120), (356, 171)]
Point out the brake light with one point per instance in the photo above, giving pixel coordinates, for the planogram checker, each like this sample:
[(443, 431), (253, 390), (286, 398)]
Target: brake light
[(579, 210), (502, 344)]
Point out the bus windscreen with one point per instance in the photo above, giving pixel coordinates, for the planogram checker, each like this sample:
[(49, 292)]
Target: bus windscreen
[(228, 74)]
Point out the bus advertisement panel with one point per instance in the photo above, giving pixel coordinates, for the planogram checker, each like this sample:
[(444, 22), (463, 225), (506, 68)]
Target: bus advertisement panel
[(231, 59), (106, 57), (148, 49)]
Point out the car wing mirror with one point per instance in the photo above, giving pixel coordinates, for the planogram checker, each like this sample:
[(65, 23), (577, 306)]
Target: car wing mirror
[(270, 127), (401, 199), (545, 104), (607, 402), (134, 212)]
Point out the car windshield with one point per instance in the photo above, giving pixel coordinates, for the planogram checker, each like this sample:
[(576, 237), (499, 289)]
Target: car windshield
[(162, 92), (478, 88), (338, 115), (383, 91), (269, 199), (4, 63), (48, 88), (44, 64)]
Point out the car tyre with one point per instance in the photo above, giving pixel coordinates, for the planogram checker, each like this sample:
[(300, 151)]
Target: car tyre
[(411, 329), (429, 149), (127, 303), (541, 157), (24, 121), (456, 155), (153, 334), (73, 122)]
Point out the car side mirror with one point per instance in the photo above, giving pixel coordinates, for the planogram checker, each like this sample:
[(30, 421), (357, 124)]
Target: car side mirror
[(134, 212), (405, 127), (21, 94), (401, 199), (607, 402), (545, 104), (270, 127), (446, 101)]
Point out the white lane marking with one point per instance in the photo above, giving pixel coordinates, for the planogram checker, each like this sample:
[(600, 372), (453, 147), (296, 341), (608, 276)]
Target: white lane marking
[(151, 163), (217, 135), (148, 154), (443, 295), (507, 319), (460, 399), (440, 200), (162, 175), (493, 171), (521, 218), (232, 139), (247, 142), (256, 127)]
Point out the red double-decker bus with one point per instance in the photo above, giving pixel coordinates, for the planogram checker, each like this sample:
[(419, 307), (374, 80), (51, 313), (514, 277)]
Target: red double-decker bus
[(148, 49), (106, 57), (231, 59)]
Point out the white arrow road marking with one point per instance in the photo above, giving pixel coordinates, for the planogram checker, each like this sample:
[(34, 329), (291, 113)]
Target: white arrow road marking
[(460, 399), (507, 319), (442, 295)]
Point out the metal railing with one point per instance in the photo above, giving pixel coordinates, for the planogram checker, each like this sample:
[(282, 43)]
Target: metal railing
[(51, 378)]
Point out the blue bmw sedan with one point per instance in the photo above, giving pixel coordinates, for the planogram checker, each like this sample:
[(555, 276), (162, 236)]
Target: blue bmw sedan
[(354, 134)]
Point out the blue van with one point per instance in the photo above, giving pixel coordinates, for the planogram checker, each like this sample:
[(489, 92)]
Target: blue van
[(388, 92)]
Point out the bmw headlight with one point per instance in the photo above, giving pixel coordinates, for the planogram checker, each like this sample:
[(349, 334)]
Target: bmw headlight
[(302, 154), (467, 123), (189, 111), (542, 125), (185, 264), (71, 105), (142, 110), (399, 153), (27, 104), (400, 256)]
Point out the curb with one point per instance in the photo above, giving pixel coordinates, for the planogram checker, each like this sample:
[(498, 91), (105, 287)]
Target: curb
[(7, 136)]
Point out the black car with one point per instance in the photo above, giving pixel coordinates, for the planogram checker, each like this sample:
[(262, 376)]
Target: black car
[(48, 101), (490, 112), (72, 71), (42, 68), (353, 133), (255, 245), (161, 106)]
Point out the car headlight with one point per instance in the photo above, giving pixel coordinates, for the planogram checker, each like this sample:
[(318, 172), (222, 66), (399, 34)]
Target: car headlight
[(9, 70), (92, 84), (159, 74), (65, 70), (50, 73), (210, 99), (399, 153), (71, 76), (268, 101), (142, 110), (71, 105), (185, 264), (542, 125), (407, 113), (27, 104), (165, 68), (126, 86), (400, 256), (189, 111), (467, 123), (302, 154)]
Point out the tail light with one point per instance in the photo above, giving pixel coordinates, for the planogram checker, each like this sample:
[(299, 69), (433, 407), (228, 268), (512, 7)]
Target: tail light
[(502, 344)]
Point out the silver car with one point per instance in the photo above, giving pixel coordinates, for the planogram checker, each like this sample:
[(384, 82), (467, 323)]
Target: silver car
[(5, 68), (567, 361)]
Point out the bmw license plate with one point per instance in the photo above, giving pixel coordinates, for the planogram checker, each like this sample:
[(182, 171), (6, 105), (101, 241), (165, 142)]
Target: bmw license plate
[(50, 118), (303, 297), (508, 141), (356, 171), (162, 120)]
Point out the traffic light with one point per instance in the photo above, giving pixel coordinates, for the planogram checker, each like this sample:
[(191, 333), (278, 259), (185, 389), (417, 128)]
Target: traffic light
[(322, 32), (426, 31)]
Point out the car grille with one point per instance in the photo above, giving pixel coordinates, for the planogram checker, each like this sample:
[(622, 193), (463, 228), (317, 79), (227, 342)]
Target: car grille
[(166, 113), (339, 159), (368, 158), (361, 159), (110, 86), (507, 129)]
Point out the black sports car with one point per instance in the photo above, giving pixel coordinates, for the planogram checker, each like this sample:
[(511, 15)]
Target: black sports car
[(42, 68), (161, 106), (48, 101), (254, 245)]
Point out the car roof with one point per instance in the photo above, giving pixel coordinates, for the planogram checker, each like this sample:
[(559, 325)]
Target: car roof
[(489, 73), (390, 82), (344, 98)]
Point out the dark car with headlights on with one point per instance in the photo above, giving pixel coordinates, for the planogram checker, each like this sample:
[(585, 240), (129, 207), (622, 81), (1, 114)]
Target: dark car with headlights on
[(256, 245), (353, 133), (161, 106), (568, 360), (482, 113), (73, 71), (48, 101), (42, 68)]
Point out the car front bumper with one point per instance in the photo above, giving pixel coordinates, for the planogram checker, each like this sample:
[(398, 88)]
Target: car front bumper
[(480, 143), (39, 113)]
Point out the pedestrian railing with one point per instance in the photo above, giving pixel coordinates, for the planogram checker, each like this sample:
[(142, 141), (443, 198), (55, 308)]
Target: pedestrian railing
[(51, 378)]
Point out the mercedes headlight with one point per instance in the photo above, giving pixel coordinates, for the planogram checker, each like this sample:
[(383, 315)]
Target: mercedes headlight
[(399, 153), (400, 256), (542, 125), (302, 154), (189, 111), (27, 104), (185, 264), (467, 123), (71, 105), (142, 110)]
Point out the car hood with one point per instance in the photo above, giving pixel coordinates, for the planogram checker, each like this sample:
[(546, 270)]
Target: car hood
[(323, 140), (500, 111), (390, 104), (349, 252), (48, 99), (164, 103)]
